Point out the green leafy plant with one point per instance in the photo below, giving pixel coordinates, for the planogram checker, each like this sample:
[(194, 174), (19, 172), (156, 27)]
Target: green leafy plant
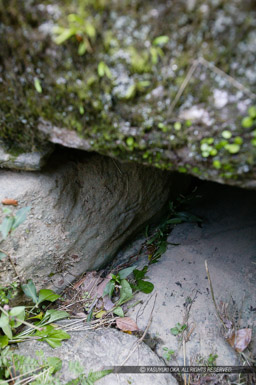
[(211, 360), (12, 221), (80, 27), (157, 243), (168, 353), (103, 70), (178, 329), (117, 280), (40, 324), (41, 370), (141, 284), (8, 292)]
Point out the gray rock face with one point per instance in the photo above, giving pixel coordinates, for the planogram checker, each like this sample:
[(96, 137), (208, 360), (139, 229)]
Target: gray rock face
[(169, 84), (227, 241), (82, 211), (96, 350), (29, 161)]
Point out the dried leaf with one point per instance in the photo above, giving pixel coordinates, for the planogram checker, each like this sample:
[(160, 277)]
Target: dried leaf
[(10, 202), (102, 285), (240, 339), (101, 314), (126, 324)]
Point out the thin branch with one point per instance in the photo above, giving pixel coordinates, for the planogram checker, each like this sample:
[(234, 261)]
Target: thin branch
[(212, 294), (143, 335)]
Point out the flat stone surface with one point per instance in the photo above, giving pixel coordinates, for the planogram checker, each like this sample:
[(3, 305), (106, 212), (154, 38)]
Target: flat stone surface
[(227, 241), (102, 348), (83, 208)]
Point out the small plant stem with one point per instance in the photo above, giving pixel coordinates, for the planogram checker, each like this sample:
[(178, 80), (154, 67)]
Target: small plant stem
[(12, 263), (212, 294), (184, 359), (144, 334), (25, 374)]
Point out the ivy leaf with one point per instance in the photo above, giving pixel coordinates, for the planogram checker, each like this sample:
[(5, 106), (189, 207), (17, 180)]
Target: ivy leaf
[(52, 336), (125, 272), (47, 295), (6, 226), (20, 217), (29, 290), (145, 286)]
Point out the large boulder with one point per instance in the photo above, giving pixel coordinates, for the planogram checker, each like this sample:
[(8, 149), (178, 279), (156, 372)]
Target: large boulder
[(100, 349), (166, 83), (83, 209)]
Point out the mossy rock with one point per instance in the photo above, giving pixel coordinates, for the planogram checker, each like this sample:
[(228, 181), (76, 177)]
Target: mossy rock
[(111, 86)]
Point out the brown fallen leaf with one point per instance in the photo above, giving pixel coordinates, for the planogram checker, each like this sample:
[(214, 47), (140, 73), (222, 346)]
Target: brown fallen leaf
[(126, 324), (240, 339), (10, 202)]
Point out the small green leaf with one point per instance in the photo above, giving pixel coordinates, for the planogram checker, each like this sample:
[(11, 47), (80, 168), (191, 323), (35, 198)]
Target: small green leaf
[(131, 92), (125, 272), (140, 274), (47, 295), (29, 290), (247, 122), (54, 315), (55, 363), (96, 376), (3, 342), (130, 141), (252, 112), (119, 311), (145, 286), (232, 148), (125, 291), (161, 40), (226, 134), (7, 330), (109, 289), (18, 315), (6, 226), (177, 126), (20, 217), (216, 164), (37, 85), (174, 221), (52, 336), (82, 48)]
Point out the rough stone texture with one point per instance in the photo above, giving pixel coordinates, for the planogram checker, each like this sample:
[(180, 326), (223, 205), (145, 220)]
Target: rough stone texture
[(29, 161), (227, 241), (102, 348), (82, 210), (131, 114)]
